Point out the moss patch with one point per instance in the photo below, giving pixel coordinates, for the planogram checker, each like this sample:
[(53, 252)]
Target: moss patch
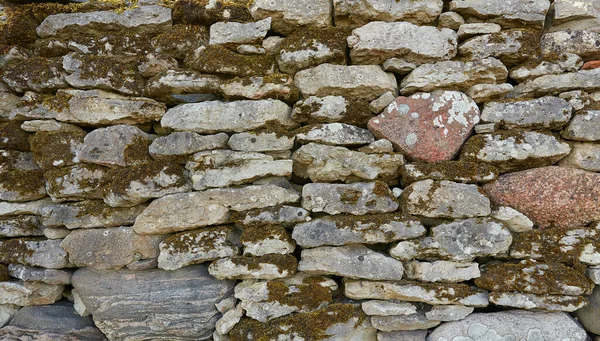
[(198, 241), (309, 295), (111, 73), (118, 180), (12, 137), (252, 235), (284, 263), (16, 250), (29, 184), (56, 148), (216, 59), (179, 41), (197, 12), (458, 171)]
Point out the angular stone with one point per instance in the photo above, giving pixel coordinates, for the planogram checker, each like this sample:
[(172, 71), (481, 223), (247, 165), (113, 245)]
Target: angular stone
[(546, 112), (78, 182), (104, 73), (377, 147), (357, 13), (183, 86), (56, 148), (482, 93), (572, 14), (583, 126), (18, 208), (398, 66), (456, 171), (186, 211), (35, 126), (127, 187), (56, 232), (454, 75), (407, 322), (183, 144), (587, 315), (234, 33), (583, 43), (409, 335), (448, 312), (512, 13), (179, 304), (442, 271), (49, 276), (577, 99), (512, 324), (7, 312), (323, 163), (567, 62), (547, 195), (274, 86), (466, 31), (445, 199), (513, 219), (36, 74), (250, 49), (260, 142), (235, 116), (430, 293), (382, 102), (593, 274), (111, 248), (366, 82), (120, 145), (378, 41), (331, 109), (512, 47), (357, 198), (22, 185), (584, 80), (387, 308), (583, 155), (264, 240), (337, 134), (271, 266), (89, 214), (538, 302), (29, 293), (351, 261), (280, 215), (515, 150), (366, 229), (151, 64), (229, 320), (427, 127), (289, 15), (216, 59), (451, 20), (21, 226)]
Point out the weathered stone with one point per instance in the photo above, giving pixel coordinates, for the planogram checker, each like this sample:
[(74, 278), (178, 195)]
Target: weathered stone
[(351, 261), (323, 163), (104, 73), (431, 293), (403, 322), (513, 219), (445, 199), (448, 312), (515, 150), (229, 320), (183, 144), (466, 31), (585, 80), (56, 148), (16, 160), (120, 145), (382, 102), (13, 137), (179, 304), (366, 229), (583, 126), (482, 93), (264, 240), (583, 43), (512, 324), (427, 127), (77, 182), (331, 109), (573, 15), (21, 226), (547, 195), (29, 293), (219, 60), (357, 13), (36, 74), (594, 274), (127, 187), (378, 41), (186, 211), (398, 66), (35, 126), (567, 62), (442, 271), (289, 15), (587, 316), (111, 248), (250, 49), (7, 312), (357, 198), (539, 302), (56, 232), (235, 116), (29, 273), (8, 102), (546, 112), (234, 33), (408, 335), (378, 147), (388, 308), (280, 215), (178, 41), (21, 185), (512, 13), (336, 134), (89, 214), (451, 20), (337, 321), (151, 64), (577, 99), (274, 86), (366, 82), (456, 171), (183, 86), (512, 47), (583, 155), (260, 142), (17, 208), (271, 266)]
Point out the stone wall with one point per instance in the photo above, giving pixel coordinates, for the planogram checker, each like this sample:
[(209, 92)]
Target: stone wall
[(300, 170)]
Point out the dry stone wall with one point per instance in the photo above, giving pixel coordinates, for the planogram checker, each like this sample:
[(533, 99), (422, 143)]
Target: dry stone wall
[(300, 170)]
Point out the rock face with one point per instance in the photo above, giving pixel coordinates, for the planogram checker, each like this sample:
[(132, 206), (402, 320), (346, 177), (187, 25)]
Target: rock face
[(581, 126), (555, 189), (586, 314), (127, 143), (581, 43), (546, 112), (512, 47), (289, 15), (162, 295), (357, 13), (585, 80), (511, 13), (428, 127)]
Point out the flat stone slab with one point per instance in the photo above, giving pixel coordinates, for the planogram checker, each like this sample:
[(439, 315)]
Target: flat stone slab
[(448, 313), (512, 13), (24, 293), (34, 252), (183, 86), (547, 112), (89, 214), (49, 276), (538, 302), (234, 33), (512, 47), (271, 266), (585, 156), (264, 240), (583, 126), (388, 308), (184, 143), (580, 42), (357, 13), (404, 322), (336, 134), (442, 271), (21, 226), (128, 146), (279, 215), (455, 171), (584, 80)]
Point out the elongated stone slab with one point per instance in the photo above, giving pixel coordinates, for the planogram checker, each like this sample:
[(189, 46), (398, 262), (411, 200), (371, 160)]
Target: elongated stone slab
[(543, 302), (511, 13), (442, 271), (89, 214), (356, 13), (29, 207), (21, 226), (29, 293), (546, 112), (271, 266), (34, 252)]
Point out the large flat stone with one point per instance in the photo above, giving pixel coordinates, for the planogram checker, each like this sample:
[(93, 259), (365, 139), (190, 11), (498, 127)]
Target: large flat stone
[(31, 273), (128, 146), (289, 15), (442, 271), (183, 86), (23, 293), (538, 302), (511, 13), (272, 266), (18, 208), (89, 214), (34, 252), (584, 80), (357, 13), (512, 47), (182, 144)]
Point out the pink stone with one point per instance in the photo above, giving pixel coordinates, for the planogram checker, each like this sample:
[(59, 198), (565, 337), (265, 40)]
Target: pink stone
[(427, 127), (550, 196), (593, 64)]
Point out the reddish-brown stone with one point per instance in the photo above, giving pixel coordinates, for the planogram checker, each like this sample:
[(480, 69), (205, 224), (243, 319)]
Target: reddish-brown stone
[(592, 64), (428, 127), (550, 196)]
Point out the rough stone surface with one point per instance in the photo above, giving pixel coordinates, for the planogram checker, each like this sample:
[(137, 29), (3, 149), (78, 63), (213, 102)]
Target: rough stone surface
[(546, 112), (406, 322), (442, 271), (587, 315), (582, 126), (583, 155), (21, 226), (23, 293), (276, 86), (388, 308), (271, 266), (30, 273), (513, 219), (512, 47), (512, 13), (34, 252), (456, 171), (357, 13), (185, 143), (538, 302), (448, 312), (280, 215), (183, 86), (582, 43), (233, 33), (89, 214), (337, 134), (481, 93), (215, 59), (469, 30), (409, 335), (260, 142), (585, 80), (567, 62), (289, 15), (115, 146)]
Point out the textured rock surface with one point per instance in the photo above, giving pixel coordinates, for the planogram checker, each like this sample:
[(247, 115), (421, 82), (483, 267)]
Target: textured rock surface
[(126, 145), (34, 252), (23, 293), (586, 80), (358, 13), (581, 127), (546, 112), (288, 15), (512, 47), (511, 13), (271, 266), (442, 271)]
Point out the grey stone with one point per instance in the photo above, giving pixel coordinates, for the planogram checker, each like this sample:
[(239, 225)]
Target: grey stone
[(455, 75), (469, 30), (271, 44), (178, 305), (398, 66), (21, 226), (280, 215), (574, 15), (114, 146), (29, 207), (183, 144), (111, 248), (234, 33), (538, 302), (410, 335), (29, 293), (187, 211), (442, 271), (367, 229), (357, 198), (229, 320), (402, 322), (357, 13), (388, 308), (378, 147), (482, 93), (445, 199), (357, 81), (511, 13), (9, 103), (583, 43), (271, 266), (34, 252), (235, 116), (143, 19), (378, 41), (322, 163), (546, 112), (577, 99), (513, 219), (567, 62), (382, 102), (336, 134), (7, 312), (183, 86), (264, 240), (585, 80), (260, 142), (250, 49), (588, 315), (278, 86), (36, 74), (288, 15), (583, 126), (143, 264), (451, 20), (35, 126), (330, 109), (583, 155), (89, 214), (512, 47), (56, 232), (16, 160), (448, 313), (351, 261), (457, 171), (30, 273)]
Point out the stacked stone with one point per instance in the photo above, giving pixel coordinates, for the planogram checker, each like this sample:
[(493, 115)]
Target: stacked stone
[(300, 169)]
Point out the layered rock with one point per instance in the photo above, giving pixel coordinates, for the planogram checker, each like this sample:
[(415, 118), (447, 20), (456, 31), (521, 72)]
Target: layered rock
[(358, 13)]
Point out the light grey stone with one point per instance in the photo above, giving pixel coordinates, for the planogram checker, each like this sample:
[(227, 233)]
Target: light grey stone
[(281, 215), (183, 86), (583, 126), (264, 240), (78, 304), (451, 20), (567, 62), (226, 304), (152, 64), (485, 128), (398, 66), (30, 273), (288, 15), (377, 147), (388, 308), (8, 102), (97, 149), (442, 271), (513, 219), (357, 81), (539, 302), (368, 229), (469, 30), (575, 15), (250, 49), (278, 86), (583, 155), (234, 116), (382, 102), (235, 33), (141, 20), (482, 93), (583, 43), (336, 134), (546, 112), (269, 267), (260, 142), (448, 313), (357, 198), (182, 144), (409, 335), (357, 13), (588, 315), (511, 13), (56, 232), (25, 75), (42, 253), (271, 44), (21, 226), (179, 305), (577, 99), (584, 80), (7, 312), (594, 275), (229, 320), (378, 41), (23, 293), (403, 322), (512, 47), (34, 126), (445, 199), (330, 108)]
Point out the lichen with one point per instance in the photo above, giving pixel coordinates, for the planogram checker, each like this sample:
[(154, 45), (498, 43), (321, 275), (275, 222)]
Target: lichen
[(458, 171), (198, 12), (27, 183), (284, 263), (253, 235), (309, 295), (202, 240), (35, 70), (111, 71)]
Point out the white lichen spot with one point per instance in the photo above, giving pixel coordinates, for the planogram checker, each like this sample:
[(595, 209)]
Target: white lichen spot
[(411, 139)]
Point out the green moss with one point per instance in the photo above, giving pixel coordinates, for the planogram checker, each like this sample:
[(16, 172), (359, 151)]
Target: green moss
[(118, 180), (216, 59), (95, 208), (309, 295), (16, 250), (88, 185), (283, 84), (136, 152), (115, 73), (198, 241), (4, 275), (55, 148), (196, 12), (256, 234), (284, 263), (128, 46), (180, 40), (35, 70), (12, 137), (27, 183)]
